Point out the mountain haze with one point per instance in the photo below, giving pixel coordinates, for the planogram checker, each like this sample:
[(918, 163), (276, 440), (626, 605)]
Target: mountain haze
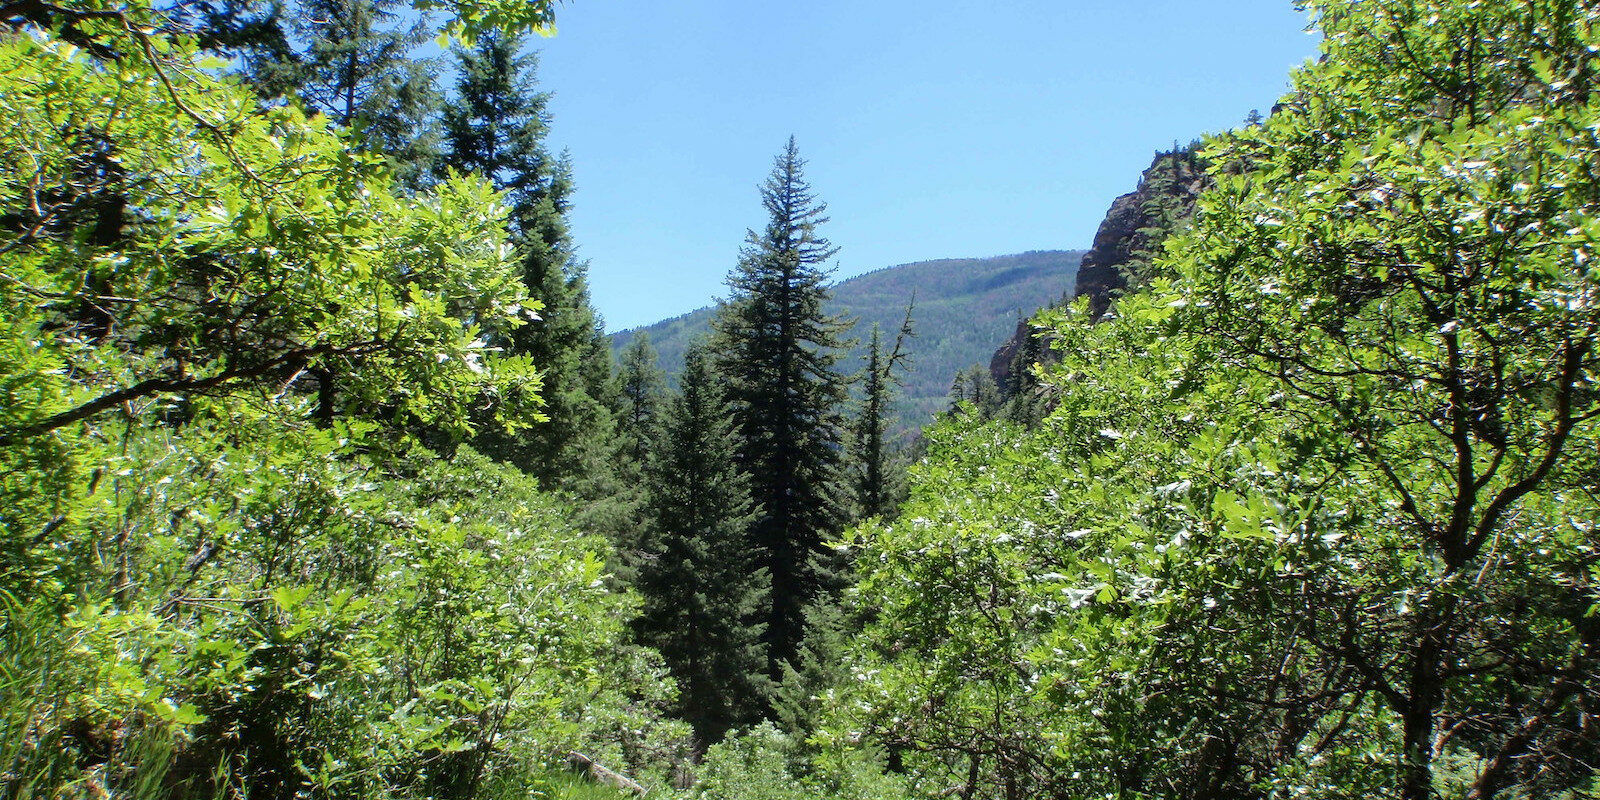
[(965, 308)]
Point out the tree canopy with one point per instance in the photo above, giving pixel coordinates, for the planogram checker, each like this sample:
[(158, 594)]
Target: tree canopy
[(1313, 514)]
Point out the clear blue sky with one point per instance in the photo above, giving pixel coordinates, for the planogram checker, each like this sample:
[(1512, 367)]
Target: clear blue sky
[(933, 128)]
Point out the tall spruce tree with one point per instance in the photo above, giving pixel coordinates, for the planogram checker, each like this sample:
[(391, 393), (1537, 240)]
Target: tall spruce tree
[(779, 349), (704, 594), (356, 68), (495, 126)]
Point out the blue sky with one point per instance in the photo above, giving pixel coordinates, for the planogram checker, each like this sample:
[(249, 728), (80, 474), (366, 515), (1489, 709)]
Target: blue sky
[(933, 128)]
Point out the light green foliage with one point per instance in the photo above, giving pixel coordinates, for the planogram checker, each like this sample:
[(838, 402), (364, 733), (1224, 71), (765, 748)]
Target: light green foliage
[(1315, 516), (750, 765), (285, 601), (755, 765), (226, 570), (172, 239)]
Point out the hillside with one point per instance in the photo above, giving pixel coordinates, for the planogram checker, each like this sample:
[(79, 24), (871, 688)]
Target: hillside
[(965, 308)]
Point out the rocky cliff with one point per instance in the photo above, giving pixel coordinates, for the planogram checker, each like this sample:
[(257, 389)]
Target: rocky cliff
[(1124, 246)]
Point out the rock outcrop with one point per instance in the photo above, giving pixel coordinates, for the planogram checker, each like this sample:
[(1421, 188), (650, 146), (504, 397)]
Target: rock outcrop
[(1137, 224), (1128, 239)]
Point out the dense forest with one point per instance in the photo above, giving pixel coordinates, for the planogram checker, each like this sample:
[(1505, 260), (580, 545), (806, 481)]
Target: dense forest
[(318, 478)]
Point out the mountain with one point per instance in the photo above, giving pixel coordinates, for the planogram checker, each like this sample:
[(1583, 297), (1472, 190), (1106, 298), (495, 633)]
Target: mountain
[(965, 308)]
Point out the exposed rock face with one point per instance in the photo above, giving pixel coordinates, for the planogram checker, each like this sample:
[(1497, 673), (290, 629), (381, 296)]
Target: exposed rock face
[(1137, 224), (1129, 237)]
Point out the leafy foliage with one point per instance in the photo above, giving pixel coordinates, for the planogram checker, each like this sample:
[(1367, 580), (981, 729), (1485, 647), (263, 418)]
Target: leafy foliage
[(1315, 515), (227, 570)]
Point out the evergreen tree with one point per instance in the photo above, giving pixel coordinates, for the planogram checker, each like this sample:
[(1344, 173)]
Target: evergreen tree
[(703, 591), (975, 385), (1023, 396), (250, 29), (356, 69), (641, 388), (779, 349), (641, 410), (876, 483), (495, 127)]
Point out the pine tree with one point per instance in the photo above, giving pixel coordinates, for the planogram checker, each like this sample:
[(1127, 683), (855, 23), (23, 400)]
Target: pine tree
[(357, 70), (249, 29), (641, 414), (495, 126), (778, 349), (1023, 395), (703, 592)]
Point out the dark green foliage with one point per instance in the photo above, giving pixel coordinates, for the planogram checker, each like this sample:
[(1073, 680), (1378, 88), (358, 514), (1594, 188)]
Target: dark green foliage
[(1026, 397), (355, 66), (878, 474), (974, 389), (705, 596), (778, 349), (641, 390), (801, 699), (250, 29), (495, 127), (641, 414)]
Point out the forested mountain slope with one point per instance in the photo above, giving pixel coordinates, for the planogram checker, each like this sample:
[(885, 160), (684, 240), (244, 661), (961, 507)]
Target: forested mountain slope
[(964, 307)]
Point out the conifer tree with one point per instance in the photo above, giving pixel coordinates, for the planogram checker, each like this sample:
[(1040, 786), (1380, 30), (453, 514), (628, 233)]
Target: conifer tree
[(975, 385), (250, 29), (641, 390), (357, 69), (779, 349), (641, 414), (876, 484), (495, 126), (703, 591)]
